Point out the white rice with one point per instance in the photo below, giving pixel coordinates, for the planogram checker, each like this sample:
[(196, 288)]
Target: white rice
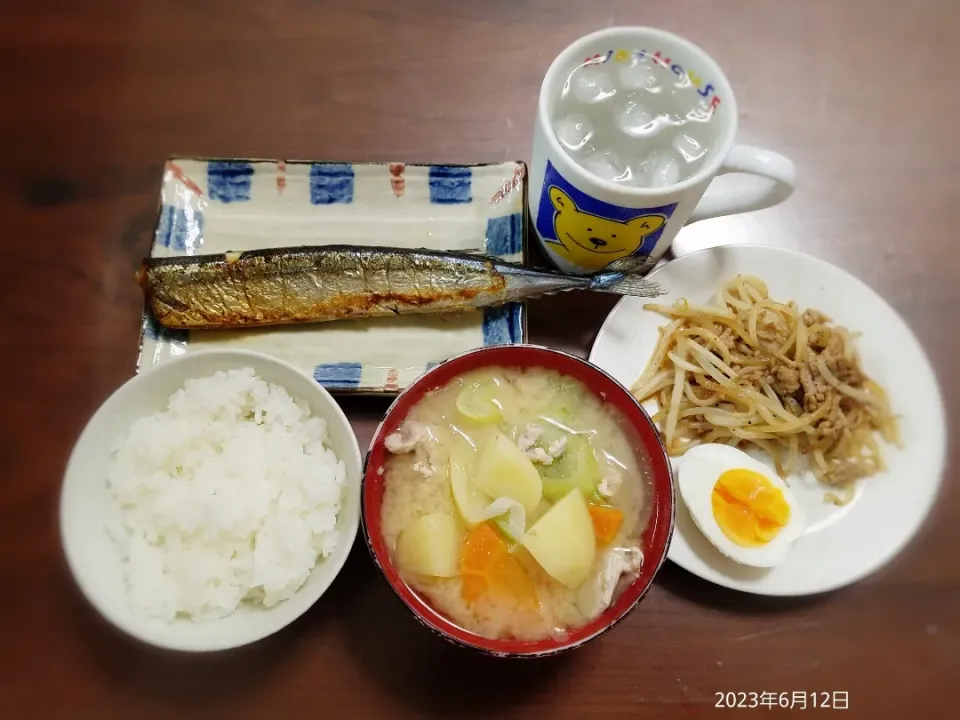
[(229, 495)]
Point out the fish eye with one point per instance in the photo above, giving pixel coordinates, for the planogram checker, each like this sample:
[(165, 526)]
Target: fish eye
[(589, 229), (613, 236)]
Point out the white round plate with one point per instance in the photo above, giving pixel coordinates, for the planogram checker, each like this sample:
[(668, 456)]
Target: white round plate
[(841, 544)]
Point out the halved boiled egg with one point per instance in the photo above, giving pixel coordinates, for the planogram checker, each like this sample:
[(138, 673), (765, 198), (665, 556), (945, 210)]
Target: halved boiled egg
[(739, 504)]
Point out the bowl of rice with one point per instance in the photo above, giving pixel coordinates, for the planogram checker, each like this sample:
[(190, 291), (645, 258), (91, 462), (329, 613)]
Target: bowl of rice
[(211, 501)]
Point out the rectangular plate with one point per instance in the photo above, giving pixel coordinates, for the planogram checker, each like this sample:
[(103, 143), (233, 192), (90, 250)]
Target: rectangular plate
[(212, 206)]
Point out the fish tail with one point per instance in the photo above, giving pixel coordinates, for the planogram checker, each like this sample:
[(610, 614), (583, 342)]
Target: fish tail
[(626, 277), (633, 286)]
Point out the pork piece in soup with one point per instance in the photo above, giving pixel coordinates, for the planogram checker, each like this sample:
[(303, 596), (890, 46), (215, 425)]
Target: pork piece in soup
[(514, 502)]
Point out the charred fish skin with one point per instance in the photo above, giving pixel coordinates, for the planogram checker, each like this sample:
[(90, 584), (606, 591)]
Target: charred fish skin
[(300, 285), (284, 286)]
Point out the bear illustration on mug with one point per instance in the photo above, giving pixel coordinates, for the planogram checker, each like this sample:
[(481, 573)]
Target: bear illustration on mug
[(593, 242)]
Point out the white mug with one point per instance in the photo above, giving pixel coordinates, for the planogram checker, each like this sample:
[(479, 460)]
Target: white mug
[(566, 199)]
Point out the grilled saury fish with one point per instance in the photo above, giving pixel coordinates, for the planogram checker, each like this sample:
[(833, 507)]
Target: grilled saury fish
[(315, 284)]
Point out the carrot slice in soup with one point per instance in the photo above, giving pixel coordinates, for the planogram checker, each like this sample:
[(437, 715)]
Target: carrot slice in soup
[(473, 587), (488, 567), (481, 546), (606, 522), (508, 578)]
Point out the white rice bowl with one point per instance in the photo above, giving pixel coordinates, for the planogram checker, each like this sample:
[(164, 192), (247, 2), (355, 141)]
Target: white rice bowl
[(211, 500), (228, 495)]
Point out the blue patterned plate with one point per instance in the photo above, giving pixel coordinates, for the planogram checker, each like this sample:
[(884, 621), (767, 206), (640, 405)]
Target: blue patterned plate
[(215, 206)]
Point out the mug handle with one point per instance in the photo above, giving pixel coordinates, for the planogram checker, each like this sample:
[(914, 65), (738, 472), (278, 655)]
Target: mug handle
[(774, 184)]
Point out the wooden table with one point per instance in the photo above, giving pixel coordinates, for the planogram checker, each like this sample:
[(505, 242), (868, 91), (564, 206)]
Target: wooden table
[(96, 96)]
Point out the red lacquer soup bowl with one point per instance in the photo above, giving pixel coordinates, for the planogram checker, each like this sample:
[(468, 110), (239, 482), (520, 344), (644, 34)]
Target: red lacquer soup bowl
[(655, 539)]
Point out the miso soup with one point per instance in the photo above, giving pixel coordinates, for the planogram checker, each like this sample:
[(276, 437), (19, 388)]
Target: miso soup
[(514, 502)]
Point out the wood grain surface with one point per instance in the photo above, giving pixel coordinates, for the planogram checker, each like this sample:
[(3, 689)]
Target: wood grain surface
[(95, 95)]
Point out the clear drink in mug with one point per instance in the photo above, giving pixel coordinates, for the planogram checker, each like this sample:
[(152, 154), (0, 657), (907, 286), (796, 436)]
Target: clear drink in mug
[(628, 118), (633, 124)]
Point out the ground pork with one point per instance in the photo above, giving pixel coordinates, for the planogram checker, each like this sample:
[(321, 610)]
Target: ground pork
[(612, 480), (835, 422), (728, 339), (406, 438), (546, 456), (786, 381), (842, 473), (814, 317), (529, 436), (814, 387), (831, 349)]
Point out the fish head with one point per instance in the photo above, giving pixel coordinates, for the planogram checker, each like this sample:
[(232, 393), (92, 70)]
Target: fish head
[(591, 241)]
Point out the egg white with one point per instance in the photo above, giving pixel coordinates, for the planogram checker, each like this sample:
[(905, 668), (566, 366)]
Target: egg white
[(699, 471)]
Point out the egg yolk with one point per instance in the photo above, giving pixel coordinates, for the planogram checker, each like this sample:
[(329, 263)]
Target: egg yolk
[(748, 508)]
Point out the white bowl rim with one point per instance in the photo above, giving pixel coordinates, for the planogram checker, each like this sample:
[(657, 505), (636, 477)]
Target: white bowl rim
[(130, 386)]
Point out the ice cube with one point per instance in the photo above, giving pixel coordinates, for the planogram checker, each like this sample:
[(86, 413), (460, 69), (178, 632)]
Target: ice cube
[(639, 76), (662, 168), (689, 149), (591, 84), (606, 165), (574, 131), (700, 114), (637, 120)]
